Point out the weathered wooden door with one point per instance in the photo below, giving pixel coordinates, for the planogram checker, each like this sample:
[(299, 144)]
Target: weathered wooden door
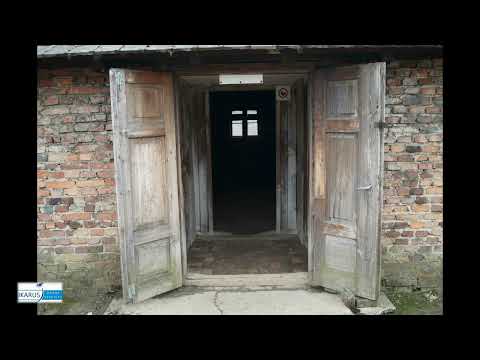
[(346, 191), (146, 180)]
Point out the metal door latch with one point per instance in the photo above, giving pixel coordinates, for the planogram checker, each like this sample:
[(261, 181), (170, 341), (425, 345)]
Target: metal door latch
[(365, 187)]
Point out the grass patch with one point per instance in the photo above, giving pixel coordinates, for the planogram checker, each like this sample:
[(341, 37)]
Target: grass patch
[(422, 302)]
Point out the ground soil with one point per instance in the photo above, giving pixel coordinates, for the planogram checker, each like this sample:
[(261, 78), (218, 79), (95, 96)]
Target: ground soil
[(253, 256), (421, 302), (95, 305)]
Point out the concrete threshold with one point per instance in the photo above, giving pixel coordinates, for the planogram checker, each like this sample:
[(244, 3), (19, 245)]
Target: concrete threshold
[(296, 280)]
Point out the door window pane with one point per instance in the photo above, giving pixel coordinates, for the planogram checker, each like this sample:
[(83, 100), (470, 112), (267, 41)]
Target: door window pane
[(237, 128), (252, 128)]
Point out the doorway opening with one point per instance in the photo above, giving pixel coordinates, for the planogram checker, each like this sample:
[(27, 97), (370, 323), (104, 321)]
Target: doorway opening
[(244, 157), (243, 161)]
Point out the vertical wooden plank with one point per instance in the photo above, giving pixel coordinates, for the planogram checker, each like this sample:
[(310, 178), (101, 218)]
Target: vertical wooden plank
[(173, 181), (120, 151), (301, 141), (195, 159), (209, 161), (202, 156), (308, 175), (187, 164), (190, 143), (318, 176), (291, 172), (284, 164), (372, 110), (181, 190), (278, 204)]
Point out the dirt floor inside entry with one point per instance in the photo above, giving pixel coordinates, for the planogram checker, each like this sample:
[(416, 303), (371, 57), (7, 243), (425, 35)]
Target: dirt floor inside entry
[(247, 256)]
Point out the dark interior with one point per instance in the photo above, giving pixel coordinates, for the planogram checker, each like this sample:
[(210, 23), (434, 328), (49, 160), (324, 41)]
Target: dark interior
[(243, 167)]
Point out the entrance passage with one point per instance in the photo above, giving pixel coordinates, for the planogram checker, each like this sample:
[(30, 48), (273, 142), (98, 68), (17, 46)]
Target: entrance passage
[(237, 255), (243, 161)]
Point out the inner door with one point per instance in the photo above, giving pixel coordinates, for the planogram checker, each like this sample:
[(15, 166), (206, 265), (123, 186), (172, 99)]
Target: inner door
[(144, 137), (243, 166), (346, 178)]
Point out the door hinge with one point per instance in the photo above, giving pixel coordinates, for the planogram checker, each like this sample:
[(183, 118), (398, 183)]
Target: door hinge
[(131, 292), (383, 125)]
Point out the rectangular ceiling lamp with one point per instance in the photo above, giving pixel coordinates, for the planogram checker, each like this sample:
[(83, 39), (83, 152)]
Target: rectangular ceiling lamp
[(236, 79)]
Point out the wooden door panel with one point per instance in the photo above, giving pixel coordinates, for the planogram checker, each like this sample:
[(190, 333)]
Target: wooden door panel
[(342, 99), (347, 172), (341, 176), (147, 186), (149, 182)]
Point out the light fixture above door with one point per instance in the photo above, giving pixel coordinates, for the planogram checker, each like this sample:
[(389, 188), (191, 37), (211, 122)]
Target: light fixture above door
[(240, 79)]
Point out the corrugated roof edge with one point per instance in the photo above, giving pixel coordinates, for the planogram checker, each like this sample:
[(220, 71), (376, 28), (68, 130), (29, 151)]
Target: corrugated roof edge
[(73, 50)]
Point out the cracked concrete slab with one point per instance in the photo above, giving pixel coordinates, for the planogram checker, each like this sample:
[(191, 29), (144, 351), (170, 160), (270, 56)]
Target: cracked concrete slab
[(281, 302), (235, 302), (199, 303)]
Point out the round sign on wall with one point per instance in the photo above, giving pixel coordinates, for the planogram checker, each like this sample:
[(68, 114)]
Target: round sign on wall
[(283, 93)]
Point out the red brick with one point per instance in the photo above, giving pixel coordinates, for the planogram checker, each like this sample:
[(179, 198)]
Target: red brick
[(426, 81), (106, 174), (90, 183), (60, 225), (51, 233), (73, 157), (63, 81), (45, 82), (421, 233), (89, 224), (106, 216), (61, 208), (392, 234), (43, 174), (110, 182), (428, 90), (97, 232), (57, 175), (60, 184), (51, 100), (85, 90), (85, 109), (86, 156), (433, 110), (75, 216)]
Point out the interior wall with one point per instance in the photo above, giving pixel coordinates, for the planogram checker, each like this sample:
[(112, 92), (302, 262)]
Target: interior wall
[(292, 162), (194, 147)]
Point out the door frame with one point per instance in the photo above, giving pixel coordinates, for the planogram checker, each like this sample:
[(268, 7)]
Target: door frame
[(208, 80)]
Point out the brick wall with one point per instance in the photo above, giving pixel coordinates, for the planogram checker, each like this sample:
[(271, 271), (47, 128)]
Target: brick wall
[(77, 224), (412, 233), (77, 234)]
